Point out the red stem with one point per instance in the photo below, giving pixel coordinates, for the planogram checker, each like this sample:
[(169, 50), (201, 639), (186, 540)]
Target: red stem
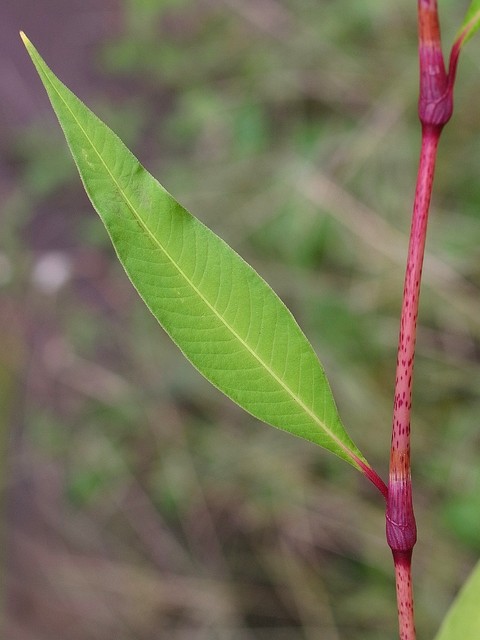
[(435, 103), (403, 580), (399, 511), (435, 108), (373, 476), (400, 518)]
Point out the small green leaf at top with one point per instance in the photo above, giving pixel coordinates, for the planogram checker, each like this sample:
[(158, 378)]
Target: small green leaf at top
[(462, 621), (470, 24), (224, 317)]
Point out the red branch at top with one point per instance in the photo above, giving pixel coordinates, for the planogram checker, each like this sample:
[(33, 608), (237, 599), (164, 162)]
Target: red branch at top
[(435, 104)]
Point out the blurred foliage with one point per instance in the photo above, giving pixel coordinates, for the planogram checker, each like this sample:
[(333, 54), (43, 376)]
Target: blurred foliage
[(144, 504)]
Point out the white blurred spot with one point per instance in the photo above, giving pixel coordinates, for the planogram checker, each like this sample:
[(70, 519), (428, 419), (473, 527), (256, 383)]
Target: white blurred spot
[(52, 271)]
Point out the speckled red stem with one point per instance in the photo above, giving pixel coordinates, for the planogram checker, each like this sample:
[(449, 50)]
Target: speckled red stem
[(401, 530), (403, 580), (435, 108), (400, 519)]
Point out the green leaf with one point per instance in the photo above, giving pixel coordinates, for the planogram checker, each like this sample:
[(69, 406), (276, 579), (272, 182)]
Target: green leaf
[(462, 621), (471, 23), (215, 307)]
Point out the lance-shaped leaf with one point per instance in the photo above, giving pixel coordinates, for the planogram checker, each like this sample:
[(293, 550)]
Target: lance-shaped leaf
[(215, 307), (471, 23), (462, 621)]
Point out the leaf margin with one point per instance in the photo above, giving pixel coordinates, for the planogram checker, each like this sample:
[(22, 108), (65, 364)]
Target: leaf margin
[(457, 624)]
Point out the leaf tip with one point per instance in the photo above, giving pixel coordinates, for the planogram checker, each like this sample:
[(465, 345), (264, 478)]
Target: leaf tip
[(25, 40)]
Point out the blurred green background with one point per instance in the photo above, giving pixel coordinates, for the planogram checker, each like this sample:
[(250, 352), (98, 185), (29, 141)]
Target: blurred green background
[(142, 504)]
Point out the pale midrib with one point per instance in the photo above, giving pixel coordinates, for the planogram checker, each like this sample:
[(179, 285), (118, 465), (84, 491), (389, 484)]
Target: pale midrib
[(156, 242), (471, 23)]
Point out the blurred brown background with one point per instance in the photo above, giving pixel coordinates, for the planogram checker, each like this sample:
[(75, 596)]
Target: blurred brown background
[(140, 503)]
